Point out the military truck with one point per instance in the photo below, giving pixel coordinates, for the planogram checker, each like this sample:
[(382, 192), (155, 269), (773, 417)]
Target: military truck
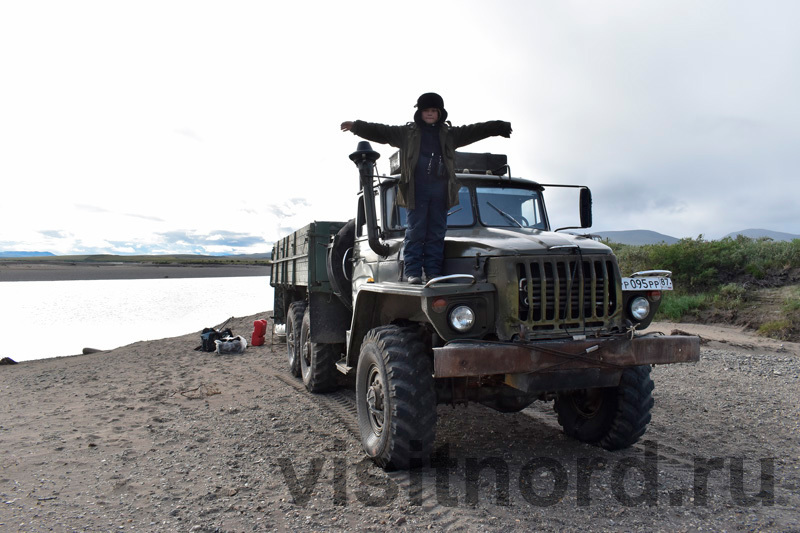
[(522, 313)]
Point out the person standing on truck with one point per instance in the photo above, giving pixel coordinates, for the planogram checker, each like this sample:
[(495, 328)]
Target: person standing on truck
[(428, 186)]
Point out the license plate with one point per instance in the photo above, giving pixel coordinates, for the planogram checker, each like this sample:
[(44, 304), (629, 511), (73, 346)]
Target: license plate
[(647, 283)]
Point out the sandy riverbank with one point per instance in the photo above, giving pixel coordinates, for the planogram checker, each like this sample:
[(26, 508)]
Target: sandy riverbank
[(155, 436), (63, 271)]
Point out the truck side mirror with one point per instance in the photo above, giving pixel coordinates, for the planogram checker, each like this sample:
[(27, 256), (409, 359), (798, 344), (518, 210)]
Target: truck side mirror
[(586, 207)]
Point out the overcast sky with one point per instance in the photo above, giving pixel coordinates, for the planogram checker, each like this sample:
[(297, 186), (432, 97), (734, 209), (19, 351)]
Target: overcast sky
[(190, 126)]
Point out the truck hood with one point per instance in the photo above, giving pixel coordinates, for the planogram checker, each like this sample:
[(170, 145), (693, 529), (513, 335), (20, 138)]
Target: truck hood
[(515, 241)]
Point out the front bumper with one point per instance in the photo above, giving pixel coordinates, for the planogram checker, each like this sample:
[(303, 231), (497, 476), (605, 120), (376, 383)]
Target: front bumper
[(607, 355)]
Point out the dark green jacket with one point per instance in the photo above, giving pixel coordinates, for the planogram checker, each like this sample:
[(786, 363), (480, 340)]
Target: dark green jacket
[(407, 139)]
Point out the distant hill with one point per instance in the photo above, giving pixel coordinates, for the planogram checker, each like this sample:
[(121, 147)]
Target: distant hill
[(758, 233), (25, 254), (636, 237), (267, 255)]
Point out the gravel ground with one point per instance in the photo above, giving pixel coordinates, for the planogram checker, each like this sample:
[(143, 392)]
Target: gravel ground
[(158, 437)]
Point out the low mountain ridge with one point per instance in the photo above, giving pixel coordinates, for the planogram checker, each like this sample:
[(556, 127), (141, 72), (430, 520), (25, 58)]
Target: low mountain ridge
[(12, 253), (639, 237), (758, 233)]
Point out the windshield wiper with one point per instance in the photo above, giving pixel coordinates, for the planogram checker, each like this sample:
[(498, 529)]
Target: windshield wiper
[(456, 210), (506, 215)]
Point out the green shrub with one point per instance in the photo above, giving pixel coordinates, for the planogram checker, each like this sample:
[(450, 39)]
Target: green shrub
[(730, 296), (755, 271), (698, 265), (675, 306)]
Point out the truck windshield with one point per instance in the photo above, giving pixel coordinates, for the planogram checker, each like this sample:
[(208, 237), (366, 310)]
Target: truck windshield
[(509, 207), (497, 206), (460, 215)]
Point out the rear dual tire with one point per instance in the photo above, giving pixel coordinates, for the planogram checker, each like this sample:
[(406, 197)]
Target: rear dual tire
[(294, 323), (317, 360)]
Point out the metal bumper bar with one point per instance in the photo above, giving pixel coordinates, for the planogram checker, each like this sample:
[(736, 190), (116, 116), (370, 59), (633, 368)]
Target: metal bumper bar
[(462, 359)]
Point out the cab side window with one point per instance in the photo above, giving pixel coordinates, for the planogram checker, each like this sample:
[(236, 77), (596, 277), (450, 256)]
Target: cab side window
[(396, 216), (361, 218)]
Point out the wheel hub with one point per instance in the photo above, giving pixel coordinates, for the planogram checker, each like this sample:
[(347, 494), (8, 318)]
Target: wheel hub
[(588, 402), (307, 353), (375, 400), (290, 342)]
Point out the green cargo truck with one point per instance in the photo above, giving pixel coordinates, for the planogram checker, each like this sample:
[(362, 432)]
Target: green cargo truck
[(523, 313)]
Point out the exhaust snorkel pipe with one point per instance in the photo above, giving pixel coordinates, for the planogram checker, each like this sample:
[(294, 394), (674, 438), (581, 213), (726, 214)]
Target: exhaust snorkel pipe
[(364, 157)]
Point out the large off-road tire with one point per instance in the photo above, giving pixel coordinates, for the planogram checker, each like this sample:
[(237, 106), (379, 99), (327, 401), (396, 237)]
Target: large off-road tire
[(395, 397), (613, 417), (294, 323), (317, 360)]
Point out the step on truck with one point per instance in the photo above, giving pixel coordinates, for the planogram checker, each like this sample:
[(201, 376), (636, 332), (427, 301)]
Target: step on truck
[(522, 313)]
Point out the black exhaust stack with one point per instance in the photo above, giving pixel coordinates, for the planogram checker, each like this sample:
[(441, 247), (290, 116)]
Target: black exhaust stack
[(364, 157)]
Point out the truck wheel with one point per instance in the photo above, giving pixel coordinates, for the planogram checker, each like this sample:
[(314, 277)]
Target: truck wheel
[(395, 397), (317, 360), (294, 322), (613, 417)]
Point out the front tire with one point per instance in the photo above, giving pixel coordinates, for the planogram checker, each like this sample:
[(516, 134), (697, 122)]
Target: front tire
[(317, 360), (294, 323), (395, 397), (613, 417)]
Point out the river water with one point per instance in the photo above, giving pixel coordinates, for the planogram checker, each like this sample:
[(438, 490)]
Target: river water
[(57, 318)]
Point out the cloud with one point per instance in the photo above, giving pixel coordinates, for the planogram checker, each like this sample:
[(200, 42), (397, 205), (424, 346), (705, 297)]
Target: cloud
[(288, 208), (681, 116), (144, 217), (54, 234), (189, 134), (219, 238), (91, 208)]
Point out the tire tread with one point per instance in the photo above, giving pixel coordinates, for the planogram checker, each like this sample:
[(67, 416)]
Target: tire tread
[(408, 371)]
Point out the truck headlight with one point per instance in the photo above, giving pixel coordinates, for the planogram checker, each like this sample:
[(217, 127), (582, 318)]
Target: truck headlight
[(462, 318), (640, 308)]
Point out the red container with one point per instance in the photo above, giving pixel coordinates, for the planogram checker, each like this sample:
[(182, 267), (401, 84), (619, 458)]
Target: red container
[(259, 331)]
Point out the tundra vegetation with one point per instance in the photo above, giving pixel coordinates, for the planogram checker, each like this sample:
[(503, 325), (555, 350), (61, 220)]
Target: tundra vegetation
[(746, 282)]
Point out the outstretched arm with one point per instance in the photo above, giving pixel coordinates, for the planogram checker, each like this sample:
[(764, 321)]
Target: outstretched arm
[(471, 133), (379, 133)]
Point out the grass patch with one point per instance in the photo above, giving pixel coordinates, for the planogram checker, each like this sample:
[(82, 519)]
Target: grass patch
[(675, 306), (792, 304), (776, 329)]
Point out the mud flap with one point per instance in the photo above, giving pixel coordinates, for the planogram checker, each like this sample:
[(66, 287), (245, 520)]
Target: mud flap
[(330, 319)]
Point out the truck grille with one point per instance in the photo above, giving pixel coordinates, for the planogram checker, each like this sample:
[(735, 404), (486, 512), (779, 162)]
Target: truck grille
[(556, 293)]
